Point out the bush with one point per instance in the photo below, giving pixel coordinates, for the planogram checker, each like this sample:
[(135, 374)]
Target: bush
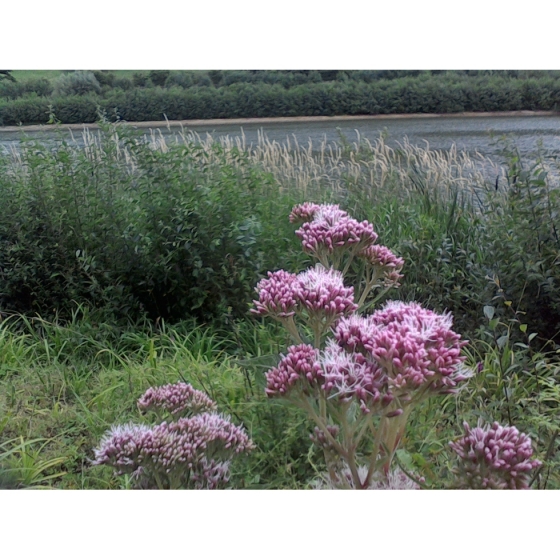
[(180, 233), (180, 79), (12, 90), (159, 77), (24, 111), (141, 79), (274, 94), (105, 77), (76, 83), (123, 83)]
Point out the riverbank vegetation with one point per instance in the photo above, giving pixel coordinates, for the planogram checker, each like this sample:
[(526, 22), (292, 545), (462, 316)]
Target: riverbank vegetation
[(128, 264), (77, 96)]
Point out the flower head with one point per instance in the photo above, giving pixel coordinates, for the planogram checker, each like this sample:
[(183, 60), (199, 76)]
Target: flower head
[(388, 265), (176, 399), (278, 295), (323, 294), (303, 212), (121, 447), (494, 457), (379, 255), (171, 452), (416, 347), (298, 366), (354, 332), (349, 375), (331, 232)]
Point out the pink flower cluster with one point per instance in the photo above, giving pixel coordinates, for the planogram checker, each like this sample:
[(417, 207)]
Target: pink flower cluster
[(331, 229), (299, 365), (379, 255), (349, 375), (397, 350), (323, 294), (176, 399), (303, 212), (190, 452), (415, 346), (387, 263), (319, 291), (278, 295), (327, 231), (334, 372), (494, 457)]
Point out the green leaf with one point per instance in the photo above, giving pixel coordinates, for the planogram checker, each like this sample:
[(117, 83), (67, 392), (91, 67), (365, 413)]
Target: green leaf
[(489, 311), (502, 341)]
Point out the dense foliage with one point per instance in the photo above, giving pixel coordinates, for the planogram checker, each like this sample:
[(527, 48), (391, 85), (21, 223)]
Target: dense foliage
[(156, 95), (120, 225), (104, 245), (177, 230)]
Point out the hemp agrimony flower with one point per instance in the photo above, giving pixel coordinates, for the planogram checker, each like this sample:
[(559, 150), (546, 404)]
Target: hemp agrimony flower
[(298, 366), (329, 234), (493, 457), (277, 295), (323, 296), (416, 347), (193, 452), (177, 399), (359, 377), (303, 212)]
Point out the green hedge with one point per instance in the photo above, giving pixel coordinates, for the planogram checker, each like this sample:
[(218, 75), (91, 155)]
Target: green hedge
[(423, 94)]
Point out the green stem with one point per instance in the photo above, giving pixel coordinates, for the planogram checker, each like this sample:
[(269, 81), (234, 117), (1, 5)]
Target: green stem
[(290, 325), (308, 407), (375, 453), (350, 447)]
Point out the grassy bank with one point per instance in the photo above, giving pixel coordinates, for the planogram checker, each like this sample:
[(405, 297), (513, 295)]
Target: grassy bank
[(126, 265)]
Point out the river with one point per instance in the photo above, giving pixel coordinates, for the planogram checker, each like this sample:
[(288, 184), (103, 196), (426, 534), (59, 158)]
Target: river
[(469, 133)]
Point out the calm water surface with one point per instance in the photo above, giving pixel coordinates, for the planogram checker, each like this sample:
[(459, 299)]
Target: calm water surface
[(473, 134)]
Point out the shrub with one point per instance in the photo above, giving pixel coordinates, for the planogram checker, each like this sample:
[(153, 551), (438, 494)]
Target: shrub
[(105, 77), (159, 77), (184, 80), (141, 79), (216, 76), (173, 234), (12, 90), (274, 93), (123, 83), (76, 83)]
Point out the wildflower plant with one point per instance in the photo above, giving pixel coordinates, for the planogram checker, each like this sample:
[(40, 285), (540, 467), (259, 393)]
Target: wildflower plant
[(493, 457), (193, 450), (359, 376)]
